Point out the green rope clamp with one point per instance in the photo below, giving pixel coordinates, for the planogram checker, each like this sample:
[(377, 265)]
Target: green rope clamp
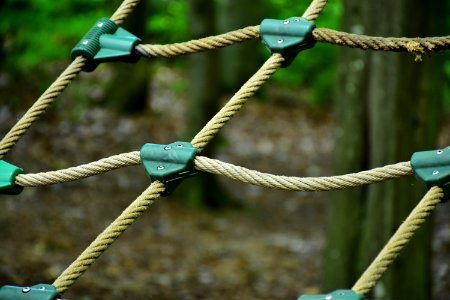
[(433, 168), (35, 292), (8, 173), (106, 41), (169, 164), (336, 295), (287, 37)]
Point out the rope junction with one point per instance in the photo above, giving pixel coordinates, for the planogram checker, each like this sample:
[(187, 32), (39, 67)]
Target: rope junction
[(367, 281)]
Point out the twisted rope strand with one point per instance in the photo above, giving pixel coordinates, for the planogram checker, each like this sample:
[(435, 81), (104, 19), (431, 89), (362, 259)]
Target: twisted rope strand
[(307, 184), (236, 102), (401, 237), (40, 106), (79, 172), (314, 10), (108, 236), (200, 45), (124, 10), (413, 45)]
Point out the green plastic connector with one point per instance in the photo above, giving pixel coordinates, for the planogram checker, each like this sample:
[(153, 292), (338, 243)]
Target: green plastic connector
[(287, 37), (336, 295), (35, 292), (104, 42), (169, 164), (433, 168), (8, 173)]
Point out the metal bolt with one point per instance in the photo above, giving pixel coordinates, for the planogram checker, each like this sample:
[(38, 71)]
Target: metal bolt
[(435, 172), (26, 289), (100, 24), (439, 151), (297, 20), (167, 148), (286, 22), (180, 145), (42, 288), (85, 42), (160, 168), (328, 297), (280, 41)]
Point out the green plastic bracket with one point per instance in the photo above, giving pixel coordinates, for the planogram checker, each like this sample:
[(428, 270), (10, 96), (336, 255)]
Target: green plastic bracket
[(336, 295), (35, 292), (433, 168), (104, 42), (169, 164), (287, 37), (8, 173)]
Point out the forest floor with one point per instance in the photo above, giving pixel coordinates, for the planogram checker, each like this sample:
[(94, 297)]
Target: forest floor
[(270, 248)]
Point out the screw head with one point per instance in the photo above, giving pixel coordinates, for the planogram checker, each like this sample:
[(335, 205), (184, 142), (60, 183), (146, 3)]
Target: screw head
[(435, 172), (26, 289), (297, 20), (328, 297), (280, 41), (160, 167), (85, 42), (168, 148), (100, 24), (440, 151), (180, 146), (286, 22)]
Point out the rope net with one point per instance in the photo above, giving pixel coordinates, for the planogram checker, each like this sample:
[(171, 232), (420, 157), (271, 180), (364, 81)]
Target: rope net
[(417, 46)]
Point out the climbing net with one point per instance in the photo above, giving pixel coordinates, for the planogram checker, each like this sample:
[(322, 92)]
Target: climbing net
[(367, 281)]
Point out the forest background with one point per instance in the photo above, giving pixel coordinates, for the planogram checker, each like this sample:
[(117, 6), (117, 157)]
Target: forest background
[(334, 110)]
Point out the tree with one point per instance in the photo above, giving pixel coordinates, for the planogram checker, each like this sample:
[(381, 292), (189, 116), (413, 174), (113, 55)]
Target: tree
[(387, 109)]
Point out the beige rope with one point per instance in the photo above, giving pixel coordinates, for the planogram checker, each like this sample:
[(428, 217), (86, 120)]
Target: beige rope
[(414, 45), (308, 184), (236, 102), (79, 172), (40, 106), (108, 236), (401, 237), (200, 45), (314, 10), (124, 10)]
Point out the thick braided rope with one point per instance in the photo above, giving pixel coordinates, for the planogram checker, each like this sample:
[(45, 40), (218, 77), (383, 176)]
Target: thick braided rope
[(308, 184), (200, 45), (108, 236), (124, 10), (401, 237), (314, 10), (414, 45), (40, 106), (236, 102), (79, 172)]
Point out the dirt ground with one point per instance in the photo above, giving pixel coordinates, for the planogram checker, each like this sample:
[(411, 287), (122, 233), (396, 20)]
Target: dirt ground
[(268, 249)]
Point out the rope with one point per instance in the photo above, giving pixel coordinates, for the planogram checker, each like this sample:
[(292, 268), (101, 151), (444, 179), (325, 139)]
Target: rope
[(79, 172), (307, 184), (108, 236), (401, 237), (314, 10), (236, 102), (200, 45), (417, 46), (40, 106), (124, 10)]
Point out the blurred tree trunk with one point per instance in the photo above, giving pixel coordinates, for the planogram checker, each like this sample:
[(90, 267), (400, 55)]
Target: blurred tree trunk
[(128, 90), (397, 114), (203, 102), (240, 61)]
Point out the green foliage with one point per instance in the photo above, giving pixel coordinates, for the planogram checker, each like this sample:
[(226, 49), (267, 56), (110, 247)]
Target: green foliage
[(170, 22), (39, 31)]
